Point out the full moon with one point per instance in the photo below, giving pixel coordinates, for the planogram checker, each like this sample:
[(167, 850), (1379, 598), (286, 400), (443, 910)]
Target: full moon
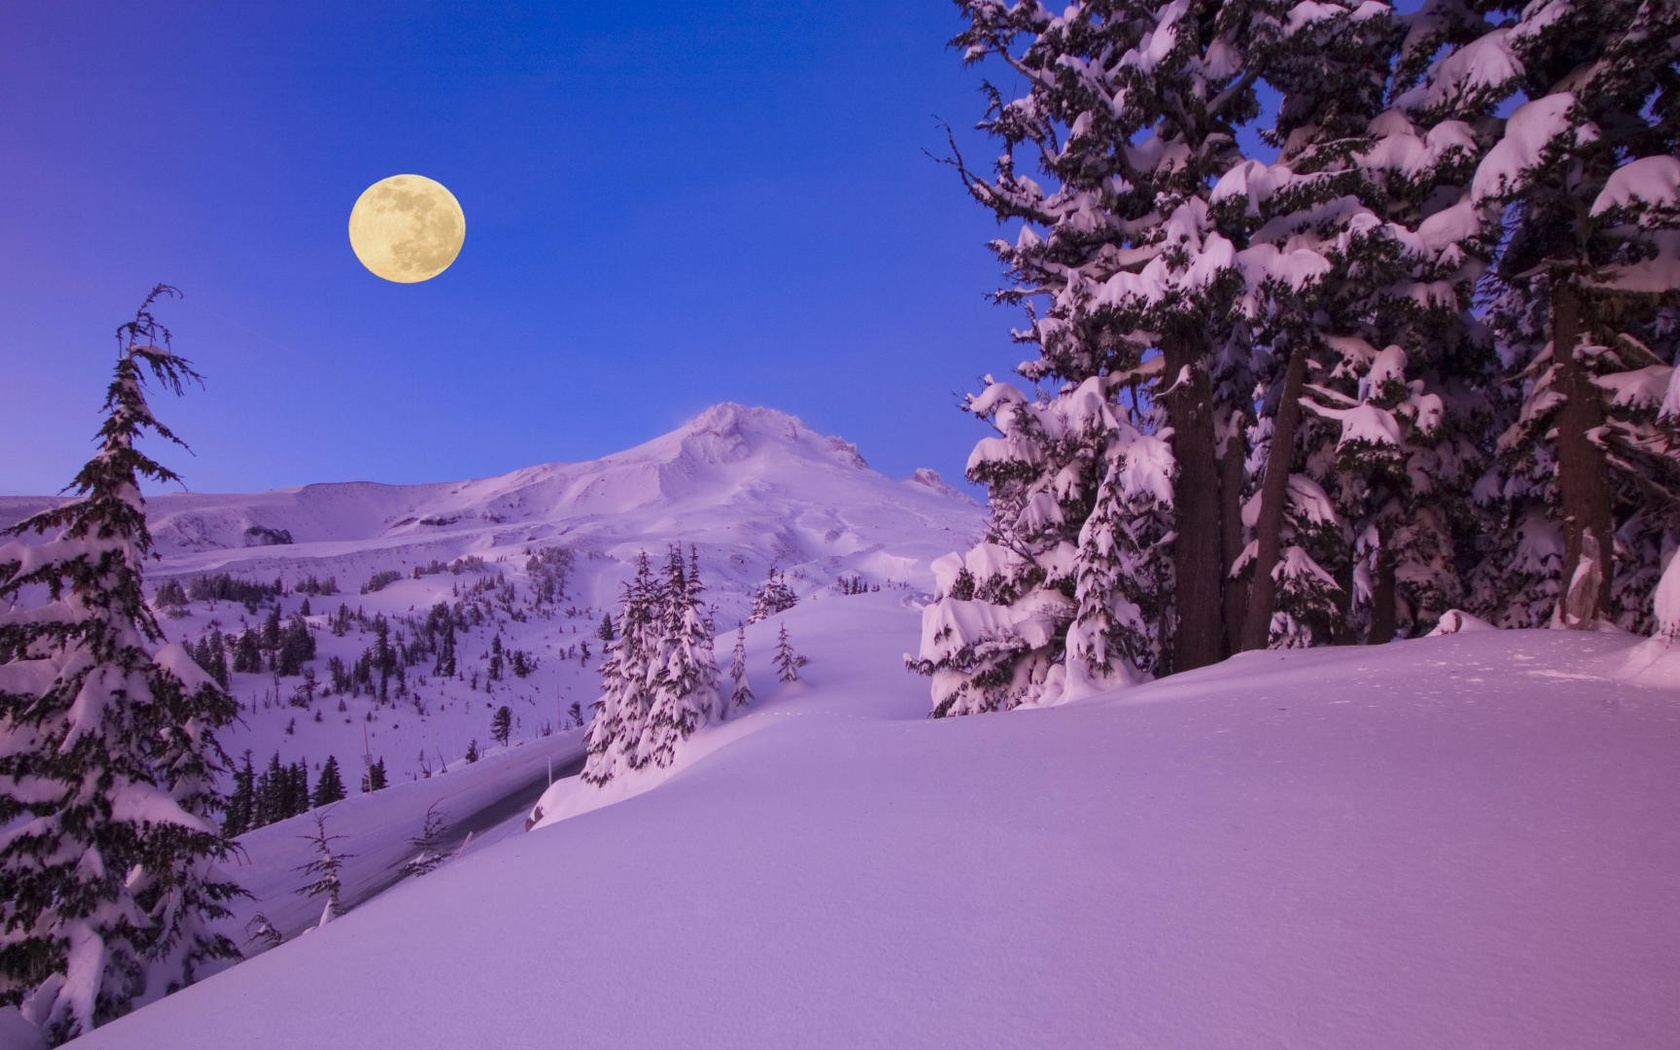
[(407, 228)]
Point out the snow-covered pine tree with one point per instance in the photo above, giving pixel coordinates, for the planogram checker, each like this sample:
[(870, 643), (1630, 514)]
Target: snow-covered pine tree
[(1131, 111), (107, 780), (741, 696), (1586, 168), (620, 710), (323, 871), (685, 694), (1301, 231), (1121, 586), (772, 596), (616, 715), (658, 678), (787, 661)]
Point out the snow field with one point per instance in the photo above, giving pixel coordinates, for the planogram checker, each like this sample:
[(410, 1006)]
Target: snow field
[(1458, 841)]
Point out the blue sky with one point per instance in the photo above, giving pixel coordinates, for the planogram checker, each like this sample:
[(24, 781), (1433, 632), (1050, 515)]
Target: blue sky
[(668, 205)]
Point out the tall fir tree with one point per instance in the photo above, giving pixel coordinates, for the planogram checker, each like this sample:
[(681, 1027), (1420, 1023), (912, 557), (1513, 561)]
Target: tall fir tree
[(684, 684), (242, 803), (621, 710), (107, 783), (1586, 169)]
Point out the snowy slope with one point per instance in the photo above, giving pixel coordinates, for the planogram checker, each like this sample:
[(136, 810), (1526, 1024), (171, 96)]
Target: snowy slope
[(1467, 841)]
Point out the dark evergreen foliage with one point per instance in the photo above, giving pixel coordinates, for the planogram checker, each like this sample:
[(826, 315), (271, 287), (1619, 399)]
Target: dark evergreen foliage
[(107, 782), (330, 787)]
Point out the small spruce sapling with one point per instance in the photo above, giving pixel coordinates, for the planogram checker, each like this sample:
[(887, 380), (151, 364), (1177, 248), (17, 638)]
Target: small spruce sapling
[(787, 661), (262, 932), (742, 695), (323, 872), (428, 844)]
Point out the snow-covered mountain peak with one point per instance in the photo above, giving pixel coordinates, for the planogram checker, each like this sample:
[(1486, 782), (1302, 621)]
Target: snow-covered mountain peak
[(929, 478), (730, 432), (751, 487)]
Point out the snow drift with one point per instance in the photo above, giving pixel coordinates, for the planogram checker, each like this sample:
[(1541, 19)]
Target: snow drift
[(1468, 840)]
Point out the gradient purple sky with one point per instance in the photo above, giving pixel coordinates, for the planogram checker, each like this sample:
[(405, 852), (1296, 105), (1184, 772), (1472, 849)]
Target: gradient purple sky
[(668, 205)]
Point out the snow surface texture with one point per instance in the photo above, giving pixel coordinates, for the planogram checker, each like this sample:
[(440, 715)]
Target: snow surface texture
[(1461, 841)]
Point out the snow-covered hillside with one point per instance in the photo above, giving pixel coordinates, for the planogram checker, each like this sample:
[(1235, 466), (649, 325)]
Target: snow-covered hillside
[(748, 488), (1466, 841)]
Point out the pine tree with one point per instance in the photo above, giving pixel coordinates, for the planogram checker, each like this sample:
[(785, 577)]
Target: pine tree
[(658, 679), (241, 809), (330, 787), (1117, 260), (247, 657), (374, 779), (1586, 169), (741, 696), (772, 596), (296, 647), (787, 661), (472, 751), (440, 622), (684, 687), (428, 845), (103, 726), (323, 872), (501, 725)]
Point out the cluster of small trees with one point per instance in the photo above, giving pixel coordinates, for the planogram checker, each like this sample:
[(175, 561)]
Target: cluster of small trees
[(1420, 358), (218, 587), (278, 792), (771, 597), (380, 580), (546, 568), (658, 681)]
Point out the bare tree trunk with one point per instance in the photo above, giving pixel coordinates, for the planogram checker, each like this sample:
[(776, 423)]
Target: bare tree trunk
[(1584, 591), (1274, 495), (1384, 618), (1342, 630), (1230, 524), (1198, 636)]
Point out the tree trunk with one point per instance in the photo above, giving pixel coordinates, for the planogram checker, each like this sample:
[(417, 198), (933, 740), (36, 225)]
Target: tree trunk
[(1384, 618), (1230, 524), (1274, 496), (1198, 635), (1584, 590)]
